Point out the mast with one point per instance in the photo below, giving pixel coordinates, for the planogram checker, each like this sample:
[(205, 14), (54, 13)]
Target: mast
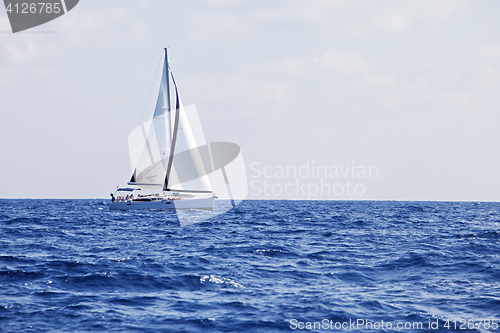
[(172, 135), (167, 69)]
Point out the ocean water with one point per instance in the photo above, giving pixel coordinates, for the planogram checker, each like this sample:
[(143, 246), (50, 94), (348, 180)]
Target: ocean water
[(265, 266)]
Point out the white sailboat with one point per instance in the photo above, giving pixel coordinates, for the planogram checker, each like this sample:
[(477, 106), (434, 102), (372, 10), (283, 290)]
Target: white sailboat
[(170, 168)]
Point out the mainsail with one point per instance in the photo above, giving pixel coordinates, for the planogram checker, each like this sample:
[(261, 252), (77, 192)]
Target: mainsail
[(163, 150), (187, 170)]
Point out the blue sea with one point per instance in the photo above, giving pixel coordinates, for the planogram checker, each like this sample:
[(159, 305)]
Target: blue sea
[(264, 266)]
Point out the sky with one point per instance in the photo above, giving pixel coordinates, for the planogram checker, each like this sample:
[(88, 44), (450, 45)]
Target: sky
[(328, 99)]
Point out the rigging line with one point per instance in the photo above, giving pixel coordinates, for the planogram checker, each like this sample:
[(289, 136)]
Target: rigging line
[(142, 115)]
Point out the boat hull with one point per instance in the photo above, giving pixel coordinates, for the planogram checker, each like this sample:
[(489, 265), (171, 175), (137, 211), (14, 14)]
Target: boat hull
[(204, 204)]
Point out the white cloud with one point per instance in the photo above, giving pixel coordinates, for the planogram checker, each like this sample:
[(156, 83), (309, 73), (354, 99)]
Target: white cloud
[(489, 75), (394, 21), (462, 101), (399, 16), (21, 53), (288, 65), (439, 10), (223, 3), (380, 80), (109, 26), (390, 100), (490, 51), (343, 61), (240, 90), (291, 65), (312, 11)]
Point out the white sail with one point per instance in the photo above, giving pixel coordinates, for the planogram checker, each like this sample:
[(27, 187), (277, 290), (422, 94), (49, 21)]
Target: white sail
[(188, 171), (161, 116), (149, 144), (146, 158)]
